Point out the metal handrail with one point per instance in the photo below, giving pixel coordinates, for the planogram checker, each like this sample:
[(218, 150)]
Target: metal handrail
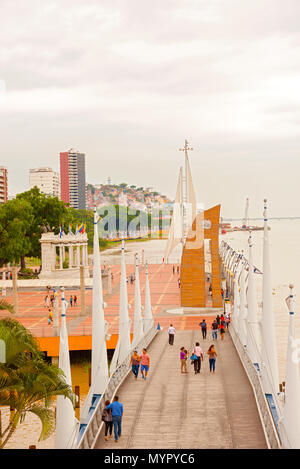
[(93, 428), (267, 421)]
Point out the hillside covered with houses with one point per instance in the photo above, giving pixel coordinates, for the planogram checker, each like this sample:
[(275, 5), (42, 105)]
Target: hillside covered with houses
[(145, 199)]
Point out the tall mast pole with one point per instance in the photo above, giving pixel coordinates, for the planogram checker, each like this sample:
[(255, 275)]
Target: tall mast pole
[(185, 193), (181, 205)]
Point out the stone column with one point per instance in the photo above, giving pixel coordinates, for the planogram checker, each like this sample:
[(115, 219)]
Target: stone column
[(82, 291), (64, 253), (54, 256), (78, 256), (83, 255), (71, 256), (15, 288), (60, 256), (86, 255)]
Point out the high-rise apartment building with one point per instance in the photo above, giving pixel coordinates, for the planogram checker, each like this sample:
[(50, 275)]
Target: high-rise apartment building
[(3, 185), (46, 180), (72, 178)]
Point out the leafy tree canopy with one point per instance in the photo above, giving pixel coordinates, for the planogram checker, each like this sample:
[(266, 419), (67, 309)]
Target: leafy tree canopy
[(48, 213), (16, 216)]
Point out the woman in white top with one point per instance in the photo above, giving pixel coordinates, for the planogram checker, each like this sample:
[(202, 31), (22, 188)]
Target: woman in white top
[(199, 354)]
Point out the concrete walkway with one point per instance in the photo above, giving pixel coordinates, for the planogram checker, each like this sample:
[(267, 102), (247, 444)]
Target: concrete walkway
[(174, 410)]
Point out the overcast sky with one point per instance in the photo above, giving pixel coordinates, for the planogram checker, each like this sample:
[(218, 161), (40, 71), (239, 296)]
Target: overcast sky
[(126, 81)]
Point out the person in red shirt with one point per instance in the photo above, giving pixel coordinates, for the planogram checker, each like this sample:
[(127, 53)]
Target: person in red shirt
[(145, 363)]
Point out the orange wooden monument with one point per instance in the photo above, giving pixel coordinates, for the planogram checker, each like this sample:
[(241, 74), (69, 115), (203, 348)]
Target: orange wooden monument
[(194, 291)]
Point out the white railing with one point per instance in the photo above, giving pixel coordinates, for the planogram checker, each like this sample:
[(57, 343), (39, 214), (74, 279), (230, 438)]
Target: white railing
[(266, 417), (93, 428)]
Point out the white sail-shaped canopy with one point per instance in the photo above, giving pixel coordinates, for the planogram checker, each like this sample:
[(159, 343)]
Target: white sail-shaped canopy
[(185, 213), (175, 232), (195, 241), (190, 196)]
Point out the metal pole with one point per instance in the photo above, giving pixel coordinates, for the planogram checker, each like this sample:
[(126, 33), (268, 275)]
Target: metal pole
[(56, 314), (82, 291), (15, 288)]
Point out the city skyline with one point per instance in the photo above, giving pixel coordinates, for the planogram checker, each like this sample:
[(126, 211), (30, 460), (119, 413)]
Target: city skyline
[(138, 81)]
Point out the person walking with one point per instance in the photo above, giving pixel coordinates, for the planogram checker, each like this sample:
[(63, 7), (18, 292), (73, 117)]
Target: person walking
[(173, 269), (107, 419), (178, 269), (179, 282), (50, 316), (227, 321), (46, 301), (71, 301), (145, 363), (212, 354), (75, 300), (203, 328), (117, 414), (135, 363), (214, 328), (171, 332), (218, 320), (183, 359), (222, 329), (199, 354), (52, 300)]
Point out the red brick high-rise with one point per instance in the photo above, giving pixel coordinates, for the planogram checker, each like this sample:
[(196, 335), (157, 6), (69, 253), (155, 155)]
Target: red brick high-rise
[(72, 178)]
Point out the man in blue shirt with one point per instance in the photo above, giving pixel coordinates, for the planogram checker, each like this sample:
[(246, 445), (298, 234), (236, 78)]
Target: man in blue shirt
[(117, 413)]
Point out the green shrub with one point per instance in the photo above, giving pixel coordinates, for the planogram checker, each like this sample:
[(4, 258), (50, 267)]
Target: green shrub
[(26, 273)]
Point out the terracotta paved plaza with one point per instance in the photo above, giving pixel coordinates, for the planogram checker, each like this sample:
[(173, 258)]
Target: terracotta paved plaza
[(165, 294)]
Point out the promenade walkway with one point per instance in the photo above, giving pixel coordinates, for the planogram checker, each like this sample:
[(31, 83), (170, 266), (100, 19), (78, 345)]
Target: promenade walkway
[(174, 410)]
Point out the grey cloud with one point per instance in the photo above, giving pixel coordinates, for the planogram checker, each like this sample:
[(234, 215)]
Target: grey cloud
[(126, 81)]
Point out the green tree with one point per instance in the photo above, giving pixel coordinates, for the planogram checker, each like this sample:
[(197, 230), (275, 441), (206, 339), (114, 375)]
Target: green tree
[(48, 214), (27, 383), (16, 216), (5, 306)]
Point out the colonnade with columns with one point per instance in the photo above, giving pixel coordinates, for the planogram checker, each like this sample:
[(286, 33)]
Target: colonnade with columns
[(77, 254), (56, 246)]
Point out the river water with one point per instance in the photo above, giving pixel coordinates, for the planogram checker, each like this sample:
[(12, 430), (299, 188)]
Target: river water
[(285, 264), (285, 261)]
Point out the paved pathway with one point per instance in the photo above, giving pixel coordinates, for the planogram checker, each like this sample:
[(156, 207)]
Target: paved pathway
[(173, 410)]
